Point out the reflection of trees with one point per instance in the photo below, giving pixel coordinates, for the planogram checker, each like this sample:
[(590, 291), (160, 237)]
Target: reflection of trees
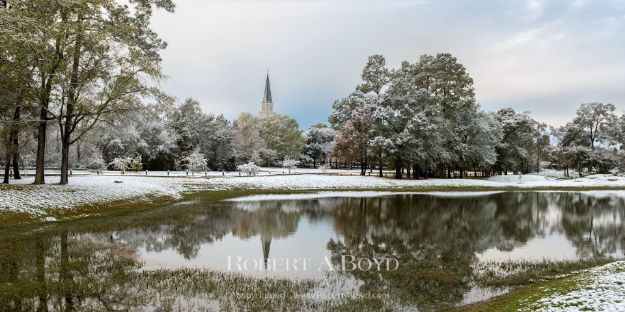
[(436, 239), (86, 264), (593, 224), (57, 271)]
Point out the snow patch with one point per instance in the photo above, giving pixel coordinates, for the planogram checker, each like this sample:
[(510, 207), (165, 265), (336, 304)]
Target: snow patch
[(602, 292)]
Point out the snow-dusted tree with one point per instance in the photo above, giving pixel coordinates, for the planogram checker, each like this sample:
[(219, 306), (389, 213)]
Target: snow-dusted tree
[(188, 123), (452, 89), (127, 163), (281, 134), (596, 120), (107, 66), (94, 160), (135, 163), (249, 169), (194, 161), (217, 143), (319, 141), (45, 52), (514, 152), (289, 164), (352, 117), (541, 142), (375, 75), (247, 140), (405, 120), (588, 144), (121, 163)]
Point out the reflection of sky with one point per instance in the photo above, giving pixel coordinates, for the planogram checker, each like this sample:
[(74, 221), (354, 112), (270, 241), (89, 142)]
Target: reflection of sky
[(550, 238), (553, 247), (309, 241)]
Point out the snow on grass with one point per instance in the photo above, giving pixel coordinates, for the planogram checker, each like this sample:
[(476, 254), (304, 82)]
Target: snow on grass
[(84, 189), (599, 289), (313, 181), (520, 179)]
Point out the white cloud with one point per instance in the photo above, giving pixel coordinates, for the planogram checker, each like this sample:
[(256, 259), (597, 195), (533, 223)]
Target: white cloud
[(519, 53)]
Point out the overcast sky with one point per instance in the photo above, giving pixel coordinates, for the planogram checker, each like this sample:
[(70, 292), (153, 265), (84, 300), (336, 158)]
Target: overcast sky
[(545, 57)]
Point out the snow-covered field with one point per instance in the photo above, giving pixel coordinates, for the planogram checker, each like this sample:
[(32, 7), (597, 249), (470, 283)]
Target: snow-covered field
[(313, 181), (601, 289), (25, 197), (85, 189)]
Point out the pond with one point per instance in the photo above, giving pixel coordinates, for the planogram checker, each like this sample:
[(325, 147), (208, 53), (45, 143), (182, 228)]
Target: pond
[(404, 251)]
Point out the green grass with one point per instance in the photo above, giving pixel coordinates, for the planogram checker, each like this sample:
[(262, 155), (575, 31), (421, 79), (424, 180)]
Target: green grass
[(549, 279), (521, 298)]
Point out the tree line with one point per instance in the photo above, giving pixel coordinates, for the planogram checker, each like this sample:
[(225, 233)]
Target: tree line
[(79, 83), (423, 120)]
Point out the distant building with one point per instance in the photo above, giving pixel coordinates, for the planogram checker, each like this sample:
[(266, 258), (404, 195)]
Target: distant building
[(267, 104)]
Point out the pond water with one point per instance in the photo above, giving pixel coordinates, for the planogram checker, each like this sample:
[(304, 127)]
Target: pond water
[(433, 245)]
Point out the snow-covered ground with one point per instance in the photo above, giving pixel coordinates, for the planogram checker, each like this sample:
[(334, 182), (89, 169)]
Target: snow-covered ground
[(85, 189), (600, 289), (312, 181)]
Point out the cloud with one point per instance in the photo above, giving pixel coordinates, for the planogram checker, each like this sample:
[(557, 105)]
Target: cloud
[(556, 53), (535, 8)]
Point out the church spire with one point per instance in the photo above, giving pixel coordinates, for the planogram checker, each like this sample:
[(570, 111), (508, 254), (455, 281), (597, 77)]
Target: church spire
[(267, 97), (267, 104)]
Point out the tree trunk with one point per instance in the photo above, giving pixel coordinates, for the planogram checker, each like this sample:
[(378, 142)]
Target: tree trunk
[(12, 148), (16, 163), (68, 124), (398, 168), (64, 162), (363, 165), (41, 146), (16, 143)]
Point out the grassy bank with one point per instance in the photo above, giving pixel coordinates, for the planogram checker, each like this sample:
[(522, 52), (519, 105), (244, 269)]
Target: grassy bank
[(552, 280), (142, 203), (137, 204)]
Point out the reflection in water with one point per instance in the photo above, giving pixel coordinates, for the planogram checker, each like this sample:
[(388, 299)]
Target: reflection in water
[(97, 264)]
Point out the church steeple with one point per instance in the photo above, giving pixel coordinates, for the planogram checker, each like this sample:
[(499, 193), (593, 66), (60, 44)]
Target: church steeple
[(267, 104), (267, 97)]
